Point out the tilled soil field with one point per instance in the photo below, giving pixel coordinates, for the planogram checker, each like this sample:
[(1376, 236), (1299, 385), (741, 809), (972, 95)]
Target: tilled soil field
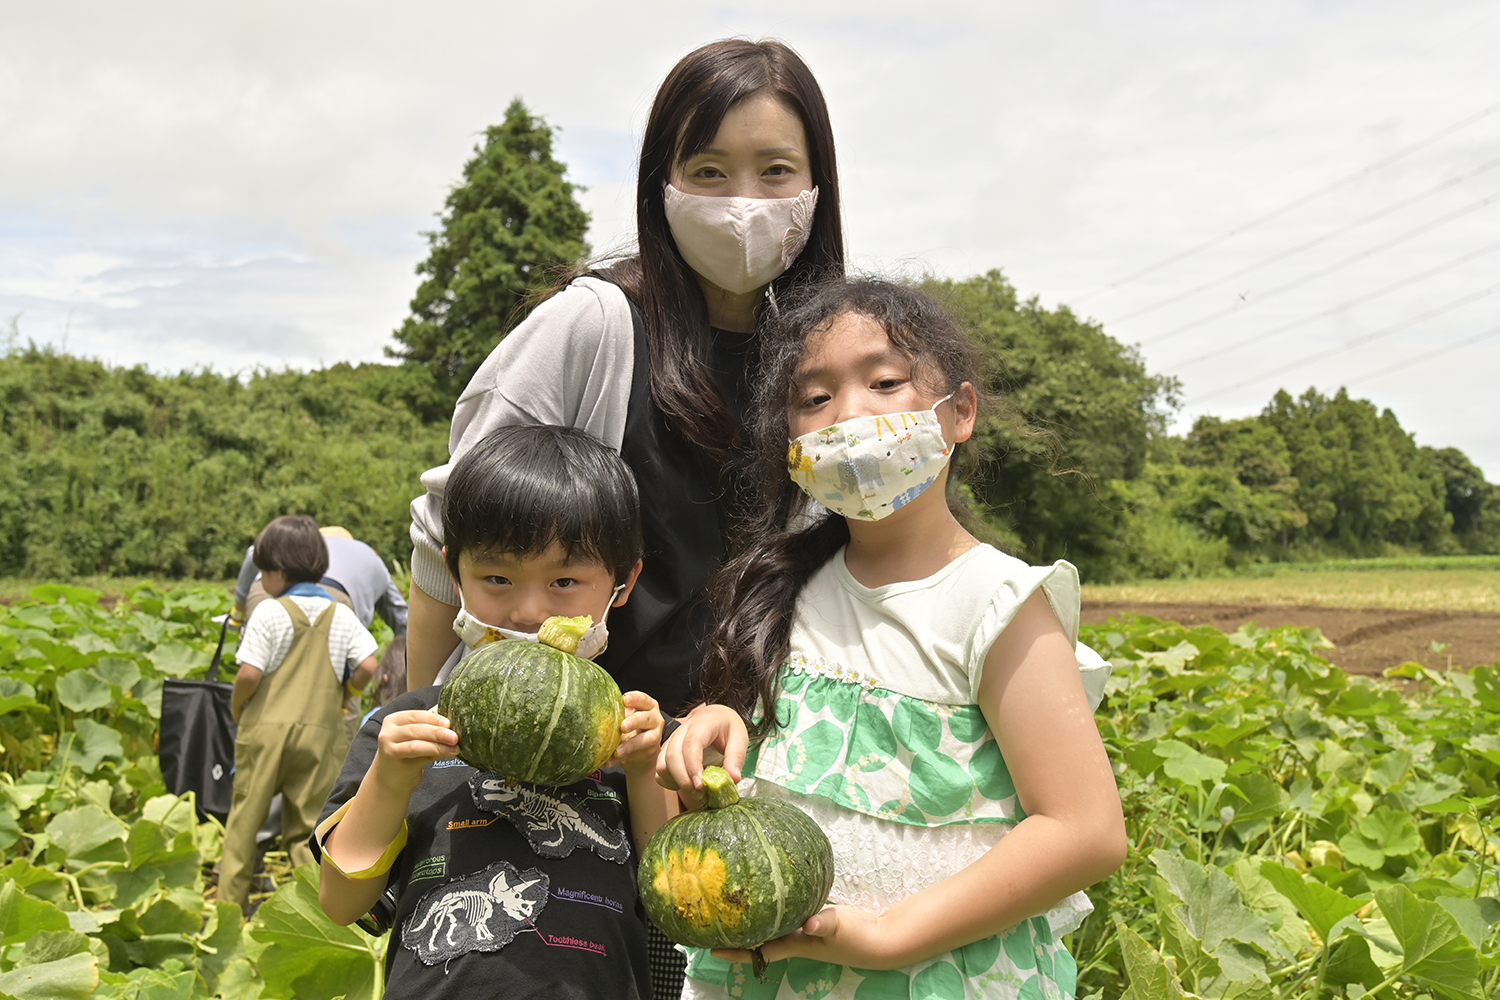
[(1366, 640)]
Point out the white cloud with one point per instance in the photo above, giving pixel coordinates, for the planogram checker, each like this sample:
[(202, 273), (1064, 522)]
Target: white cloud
[(242, 184)]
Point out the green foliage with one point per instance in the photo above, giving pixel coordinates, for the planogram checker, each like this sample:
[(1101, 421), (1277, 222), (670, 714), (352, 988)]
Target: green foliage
[(308, 956), (1473, 502), (103, 875), (1080, 413), (1083, 469), (1306, 479), (1361, 480), (114, 470), (510, 222), (1294, 832)]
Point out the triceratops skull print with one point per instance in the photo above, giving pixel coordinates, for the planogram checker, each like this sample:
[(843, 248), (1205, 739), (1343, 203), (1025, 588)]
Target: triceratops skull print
[(554, 820), (479, 912)]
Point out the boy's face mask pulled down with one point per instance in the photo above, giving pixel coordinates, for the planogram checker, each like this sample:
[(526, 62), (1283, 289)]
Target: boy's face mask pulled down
[(476, 633), (868, 467)]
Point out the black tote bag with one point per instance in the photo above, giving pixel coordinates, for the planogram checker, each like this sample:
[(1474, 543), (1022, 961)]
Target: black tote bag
[(197, 738)]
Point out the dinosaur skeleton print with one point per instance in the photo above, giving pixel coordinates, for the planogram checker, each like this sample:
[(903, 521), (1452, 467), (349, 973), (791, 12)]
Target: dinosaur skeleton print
[(554, 820), (479, 912)]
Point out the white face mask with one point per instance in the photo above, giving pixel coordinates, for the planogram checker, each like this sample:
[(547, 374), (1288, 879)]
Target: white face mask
[(740, 244), (475, 633), (869, 466)]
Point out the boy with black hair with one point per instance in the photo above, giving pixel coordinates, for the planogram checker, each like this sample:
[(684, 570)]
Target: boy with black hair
[(522, 889), (299, 655)]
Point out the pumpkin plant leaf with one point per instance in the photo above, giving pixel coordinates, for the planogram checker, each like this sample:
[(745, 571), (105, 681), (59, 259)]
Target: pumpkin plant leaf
[(1150, 979), (87, 834), (71, 978), (1470, 914), (177, 658), (119, 671), (1264, 798), (172, 981), (40, 882), (1320, 905), (61, 593), (1177, 941), (10, 830), (306, 954), (223, 934), (1435, 950), (1187, 765), (1349, 962), (1395, 832), (88, 745), (1362, 850), (49, 946), (22, 916), (1280, 914), (16, 702), (81, 691), (1215, 910)]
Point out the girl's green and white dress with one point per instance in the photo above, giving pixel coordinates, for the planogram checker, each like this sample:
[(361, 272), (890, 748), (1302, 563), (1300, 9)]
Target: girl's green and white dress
[(882, 743)]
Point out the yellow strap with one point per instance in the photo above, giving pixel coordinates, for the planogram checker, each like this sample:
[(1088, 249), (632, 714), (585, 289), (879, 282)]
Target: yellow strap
[(381, 865)]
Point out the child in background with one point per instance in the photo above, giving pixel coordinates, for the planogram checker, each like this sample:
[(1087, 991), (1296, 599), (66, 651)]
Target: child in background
[(520, 891), (917, 692), (299, 656)]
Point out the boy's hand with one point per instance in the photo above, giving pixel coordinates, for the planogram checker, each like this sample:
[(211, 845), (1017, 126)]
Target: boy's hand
[(408, 741), (706, 728), (640, 733)]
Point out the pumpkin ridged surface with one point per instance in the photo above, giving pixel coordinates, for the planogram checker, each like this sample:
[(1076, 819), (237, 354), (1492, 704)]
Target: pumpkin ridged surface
[(737, 876), (533, 713)]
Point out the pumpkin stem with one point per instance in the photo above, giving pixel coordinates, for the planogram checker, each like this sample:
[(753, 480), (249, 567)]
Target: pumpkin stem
[(563, 633), (718, 788)]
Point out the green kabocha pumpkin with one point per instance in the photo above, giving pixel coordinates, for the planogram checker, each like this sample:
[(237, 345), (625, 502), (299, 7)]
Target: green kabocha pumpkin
[(534, 712), (737, 873)]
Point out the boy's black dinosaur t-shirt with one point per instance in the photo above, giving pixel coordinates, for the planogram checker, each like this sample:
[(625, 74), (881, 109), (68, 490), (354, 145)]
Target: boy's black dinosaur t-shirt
[(524, 891)]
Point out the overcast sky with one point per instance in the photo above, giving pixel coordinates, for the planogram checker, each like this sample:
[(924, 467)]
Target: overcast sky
[(1261, 195)]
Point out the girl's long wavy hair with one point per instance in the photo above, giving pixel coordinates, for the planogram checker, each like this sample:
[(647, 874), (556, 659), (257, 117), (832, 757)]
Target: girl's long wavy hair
[(788, 538), (684, 119)]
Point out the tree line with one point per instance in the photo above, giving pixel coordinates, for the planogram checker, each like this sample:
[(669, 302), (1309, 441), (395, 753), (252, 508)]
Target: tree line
[(1083, 468), (110, 470)]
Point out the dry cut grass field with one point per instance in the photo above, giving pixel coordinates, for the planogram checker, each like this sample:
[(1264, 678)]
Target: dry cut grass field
[(1409, 589), (1377, 619)]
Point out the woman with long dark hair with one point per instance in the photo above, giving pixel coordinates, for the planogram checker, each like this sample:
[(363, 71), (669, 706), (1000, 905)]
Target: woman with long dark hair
[(737, 198)]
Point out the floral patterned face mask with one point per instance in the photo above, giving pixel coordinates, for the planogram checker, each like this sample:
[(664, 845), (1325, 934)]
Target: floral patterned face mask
[(740, 244), (867, 467)]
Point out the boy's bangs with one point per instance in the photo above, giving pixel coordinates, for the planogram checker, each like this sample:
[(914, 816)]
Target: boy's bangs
[(529, 544), (526, 487)]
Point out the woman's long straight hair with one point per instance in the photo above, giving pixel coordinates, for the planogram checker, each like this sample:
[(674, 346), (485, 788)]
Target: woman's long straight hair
[(685, 116), (755, 594)]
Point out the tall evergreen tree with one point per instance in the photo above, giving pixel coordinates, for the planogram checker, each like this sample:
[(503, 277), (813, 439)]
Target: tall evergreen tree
[(504, 229), (1361, 479)]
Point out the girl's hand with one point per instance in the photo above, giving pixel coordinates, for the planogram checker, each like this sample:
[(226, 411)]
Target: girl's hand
[(680, 765), (843, 935), (641, 729), (408, 741)]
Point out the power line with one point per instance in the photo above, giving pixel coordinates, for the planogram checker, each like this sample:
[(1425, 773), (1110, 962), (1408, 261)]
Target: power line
[(1298, 202), (1445, 41), (1360, 300), (1421, 358), (1360, 342), (1379, 214), (1337, 265)]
